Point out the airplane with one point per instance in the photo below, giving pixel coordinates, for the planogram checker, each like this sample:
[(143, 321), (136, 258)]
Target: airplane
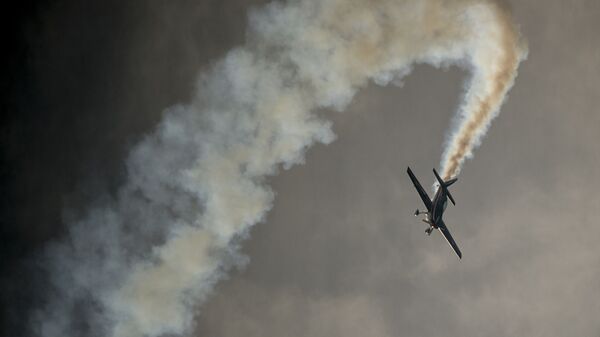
[(436, 207)]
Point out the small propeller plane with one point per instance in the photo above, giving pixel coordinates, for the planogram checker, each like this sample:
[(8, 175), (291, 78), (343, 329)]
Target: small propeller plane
[(436, 207)]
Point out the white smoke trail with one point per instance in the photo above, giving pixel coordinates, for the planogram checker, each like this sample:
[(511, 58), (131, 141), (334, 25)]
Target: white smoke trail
[(136, 266), (496, 55)]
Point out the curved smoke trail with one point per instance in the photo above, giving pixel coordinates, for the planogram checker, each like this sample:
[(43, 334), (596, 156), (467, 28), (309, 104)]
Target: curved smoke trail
[(495, 61), (135, 266)]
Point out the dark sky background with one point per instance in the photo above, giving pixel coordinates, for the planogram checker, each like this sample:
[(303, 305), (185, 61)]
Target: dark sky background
[(340, 253)]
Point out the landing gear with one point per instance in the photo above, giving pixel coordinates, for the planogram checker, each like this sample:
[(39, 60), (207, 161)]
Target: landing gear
[(426, 220), (429, 230), (417, 212)]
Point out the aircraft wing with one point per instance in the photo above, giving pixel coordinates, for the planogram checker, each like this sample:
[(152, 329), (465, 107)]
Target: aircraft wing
[(446, 233), (422, 193)]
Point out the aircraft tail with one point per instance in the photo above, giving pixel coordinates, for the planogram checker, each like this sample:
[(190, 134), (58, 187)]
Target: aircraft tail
[(445, 184)]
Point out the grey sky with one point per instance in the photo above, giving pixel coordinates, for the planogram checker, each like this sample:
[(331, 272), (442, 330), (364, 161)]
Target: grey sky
[(340, 254)]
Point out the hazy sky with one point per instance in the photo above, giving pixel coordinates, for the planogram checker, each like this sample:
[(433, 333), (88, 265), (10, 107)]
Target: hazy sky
[(340, 253)]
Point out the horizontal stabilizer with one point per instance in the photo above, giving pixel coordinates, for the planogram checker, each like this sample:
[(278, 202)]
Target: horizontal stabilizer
[(444, 185)]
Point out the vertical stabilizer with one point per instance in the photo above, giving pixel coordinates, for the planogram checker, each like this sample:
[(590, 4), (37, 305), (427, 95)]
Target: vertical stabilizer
[(444, 185)]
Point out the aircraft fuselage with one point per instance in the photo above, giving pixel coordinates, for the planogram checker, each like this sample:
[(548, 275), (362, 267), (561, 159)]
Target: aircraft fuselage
[(439, 203)]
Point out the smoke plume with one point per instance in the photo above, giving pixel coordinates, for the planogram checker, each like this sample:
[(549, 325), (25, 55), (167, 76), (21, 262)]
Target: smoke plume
[(494, 59), (138, 264)]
